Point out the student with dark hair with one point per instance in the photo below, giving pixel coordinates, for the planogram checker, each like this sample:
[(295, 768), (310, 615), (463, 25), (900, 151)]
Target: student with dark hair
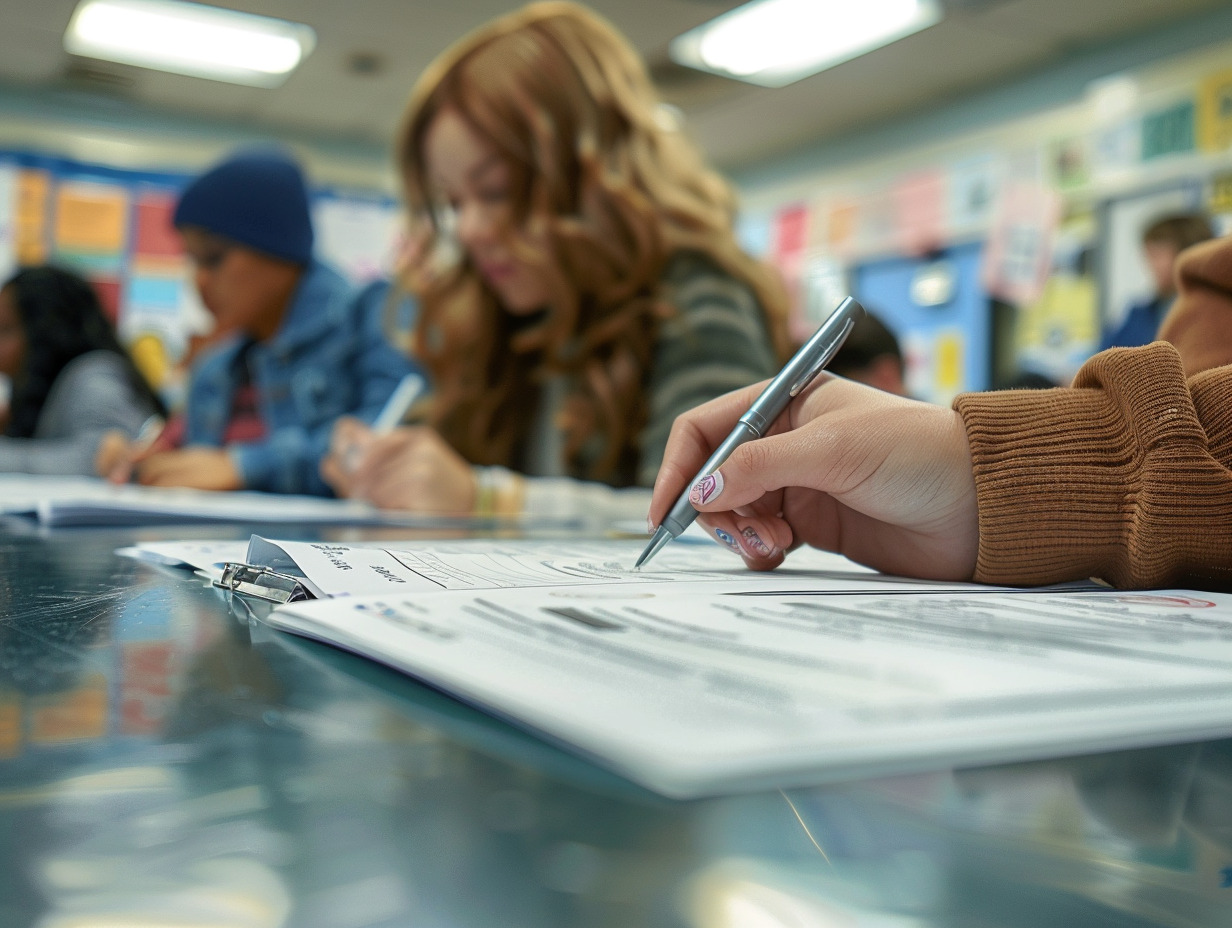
[(1162, 242), (871, 354), (71, 379), (298, 347)]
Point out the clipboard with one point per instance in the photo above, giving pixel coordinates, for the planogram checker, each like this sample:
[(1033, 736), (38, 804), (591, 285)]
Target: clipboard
[(262, 583)]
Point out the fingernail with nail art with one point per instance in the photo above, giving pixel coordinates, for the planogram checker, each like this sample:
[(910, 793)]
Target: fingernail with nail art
[(753, 543), (707, 488), (727, 540)]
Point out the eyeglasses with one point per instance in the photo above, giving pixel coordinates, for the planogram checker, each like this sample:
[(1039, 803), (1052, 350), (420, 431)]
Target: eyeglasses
[(210, 258)]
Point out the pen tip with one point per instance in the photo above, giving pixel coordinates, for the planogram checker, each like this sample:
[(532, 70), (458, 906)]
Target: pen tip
[(661, 537)]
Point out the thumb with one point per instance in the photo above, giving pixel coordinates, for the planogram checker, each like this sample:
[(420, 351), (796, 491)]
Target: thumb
[(754, 469)]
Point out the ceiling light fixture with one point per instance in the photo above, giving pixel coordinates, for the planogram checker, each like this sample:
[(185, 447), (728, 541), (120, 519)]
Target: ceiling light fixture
[(189, 38), (777, 42)]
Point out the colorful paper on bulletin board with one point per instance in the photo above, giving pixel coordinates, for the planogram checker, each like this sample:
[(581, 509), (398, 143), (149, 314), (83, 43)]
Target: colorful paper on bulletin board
[(108, 289), (8, 220), (753, 231), (1215, 111), (1058, 332), (877, 217), (358, 237), (154, 234), (1169, 131), (91, 225), (935, 364), (1115, 149), (1070, 161), (972, 192), (1019, 254), (949, 349), (153, 312), (842, 225), (919, 212), (1221, 193), (33, 192), (790, 234)]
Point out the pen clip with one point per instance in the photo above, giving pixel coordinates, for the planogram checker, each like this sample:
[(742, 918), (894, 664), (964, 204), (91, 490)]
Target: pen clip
[(815, 368)]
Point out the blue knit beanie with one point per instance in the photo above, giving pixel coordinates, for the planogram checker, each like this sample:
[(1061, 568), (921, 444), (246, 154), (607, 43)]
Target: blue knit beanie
[(257, 198)]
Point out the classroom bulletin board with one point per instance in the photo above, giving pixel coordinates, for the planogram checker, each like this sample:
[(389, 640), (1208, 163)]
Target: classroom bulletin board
[(114, 227)]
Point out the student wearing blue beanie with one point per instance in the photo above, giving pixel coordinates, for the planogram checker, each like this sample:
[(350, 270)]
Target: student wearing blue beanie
[(295, 346)]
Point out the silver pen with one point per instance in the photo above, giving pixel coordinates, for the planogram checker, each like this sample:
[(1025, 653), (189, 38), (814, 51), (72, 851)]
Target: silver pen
[(798, 373)]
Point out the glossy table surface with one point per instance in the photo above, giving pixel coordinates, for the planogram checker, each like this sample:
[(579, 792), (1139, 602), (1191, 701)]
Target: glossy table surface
[(168, 760)]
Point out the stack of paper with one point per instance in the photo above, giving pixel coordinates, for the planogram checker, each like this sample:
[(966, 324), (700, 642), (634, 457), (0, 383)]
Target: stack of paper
[(699, 676)]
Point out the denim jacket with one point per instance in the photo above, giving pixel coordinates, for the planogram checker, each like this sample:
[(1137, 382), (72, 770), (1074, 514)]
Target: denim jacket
[(329, 358)]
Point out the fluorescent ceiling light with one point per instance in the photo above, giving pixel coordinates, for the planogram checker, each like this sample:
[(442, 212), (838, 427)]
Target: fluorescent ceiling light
[(189, 38), (777, 42)]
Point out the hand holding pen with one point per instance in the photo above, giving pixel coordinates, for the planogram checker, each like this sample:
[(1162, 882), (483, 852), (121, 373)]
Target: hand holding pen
[(796, 374), (117, 456), (884, 480), (352, 439)]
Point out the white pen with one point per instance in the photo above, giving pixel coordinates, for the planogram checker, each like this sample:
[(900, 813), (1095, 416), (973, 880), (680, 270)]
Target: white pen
[(391, 415), (399, 403), (798, 373)]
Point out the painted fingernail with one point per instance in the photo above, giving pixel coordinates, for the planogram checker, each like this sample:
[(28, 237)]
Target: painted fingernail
[(650, 526), (753, 544), (727, 540), (707, 488)]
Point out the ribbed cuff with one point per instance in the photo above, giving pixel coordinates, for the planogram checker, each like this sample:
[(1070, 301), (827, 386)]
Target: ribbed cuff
[(1093, 481)]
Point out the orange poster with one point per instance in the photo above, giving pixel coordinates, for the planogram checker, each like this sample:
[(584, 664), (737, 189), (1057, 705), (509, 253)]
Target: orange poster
[(91, 225), (31, 233)]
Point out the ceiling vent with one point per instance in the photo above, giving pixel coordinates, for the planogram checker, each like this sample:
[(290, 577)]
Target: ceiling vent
[(83, 75)]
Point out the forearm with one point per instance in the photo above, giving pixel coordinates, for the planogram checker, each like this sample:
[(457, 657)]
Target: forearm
[(1124, 477), (288, 461), (55, 456), (558, 498)]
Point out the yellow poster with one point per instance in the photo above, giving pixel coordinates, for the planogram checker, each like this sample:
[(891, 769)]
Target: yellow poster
[(1215, 111), (950, 348)]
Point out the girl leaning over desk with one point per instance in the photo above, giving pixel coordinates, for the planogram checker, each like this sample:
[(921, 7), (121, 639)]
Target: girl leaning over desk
[(71, 379), (578, 275), (1125, 476)]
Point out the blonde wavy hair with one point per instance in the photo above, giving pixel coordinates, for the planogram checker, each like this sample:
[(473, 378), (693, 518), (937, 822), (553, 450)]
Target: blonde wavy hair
[(558, 93)]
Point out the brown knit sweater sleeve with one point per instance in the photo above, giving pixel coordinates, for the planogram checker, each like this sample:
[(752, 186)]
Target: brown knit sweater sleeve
[(1124, 476)]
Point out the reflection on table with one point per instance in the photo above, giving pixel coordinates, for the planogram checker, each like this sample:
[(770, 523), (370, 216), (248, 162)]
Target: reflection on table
[(165, 759)]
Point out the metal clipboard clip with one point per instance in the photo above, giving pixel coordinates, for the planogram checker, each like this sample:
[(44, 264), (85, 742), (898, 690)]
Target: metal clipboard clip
[(262, 583)]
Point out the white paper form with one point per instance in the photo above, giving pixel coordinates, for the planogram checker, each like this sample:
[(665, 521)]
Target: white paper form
[(89, 501), (331, 569), (692, 695), (206, 557)]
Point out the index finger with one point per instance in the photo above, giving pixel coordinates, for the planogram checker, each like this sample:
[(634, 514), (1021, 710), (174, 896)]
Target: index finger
[(694, 436)]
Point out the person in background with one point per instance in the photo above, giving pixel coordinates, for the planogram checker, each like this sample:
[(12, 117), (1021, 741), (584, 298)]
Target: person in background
[(871, 355), (297, 347), (580, 283), (1162, 241), (71, 379), (1125, 476)]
